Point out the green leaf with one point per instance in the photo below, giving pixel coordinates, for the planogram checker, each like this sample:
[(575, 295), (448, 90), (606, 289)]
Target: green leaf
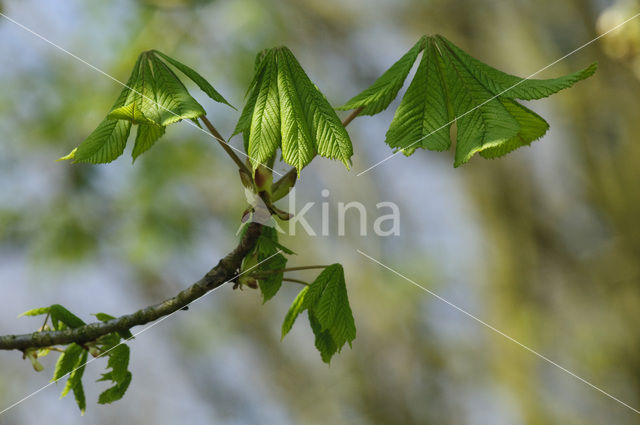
[(119, 374), (146, 137), (329, 136), (67, 361), (204, 85), (330, 315), (381, 93), (104, 144), (174, 101), (130, 112), (74, 382), (298, 148), (296, 308), (424, 108), (325, 343), (35, 312), (267, 244), (264, 136), (271, 283), (115, 392), (532, 127), (482, 121), (59, 315), (511, 86)]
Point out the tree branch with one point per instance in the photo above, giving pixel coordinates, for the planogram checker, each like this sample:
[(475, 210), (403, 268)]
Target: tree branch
[(224, 271)]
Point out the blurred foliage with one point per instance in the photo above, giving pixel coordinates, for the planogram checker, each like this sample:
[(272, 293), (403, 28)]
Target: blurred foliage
[(556, 267)]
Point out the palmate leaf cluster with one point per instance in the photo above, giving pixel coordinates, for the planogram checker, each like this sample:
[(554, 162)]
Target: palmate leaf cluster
[(451, 86), (72, 361), (154, 97), (286, 111)]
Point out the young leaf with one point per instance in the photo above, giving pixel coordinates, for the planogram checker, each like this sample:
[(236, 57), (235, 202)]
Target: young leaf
[(285, 109), (173, 100), (424, 108), (271, 283), (59, 315), (296, 308), (67, 361), (264, 135), (325, 343), (145, 138), (35, 312), (196, 78), (119, 374), (74, 382), (329, 136), (381, 93), (329, 312), (298, 148), (511, 86)]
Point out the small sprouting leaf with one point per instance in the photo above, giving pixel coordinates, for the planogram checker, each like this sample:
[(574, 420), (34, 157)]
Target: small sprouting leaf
[(381, 93), (296, 308), (36, 312), (119, 374), (204, 85), (59, 315), (67, 361), (283, 186), (267, 244), (271, 283), (115, 392), (74, 382)]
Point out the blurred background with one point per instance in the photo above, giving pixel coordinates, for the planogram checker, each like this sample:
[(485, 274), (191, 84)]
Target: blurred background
[(543, 244)]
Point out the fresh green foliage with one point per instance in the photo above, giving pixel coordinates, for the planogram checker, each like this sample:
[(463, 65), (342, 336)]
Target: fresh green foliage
[(119, 374), (451, 86), (330, 316), (61, 318), (74, 382), (73, 359), (285, 109), (381, 93), (266, 262), (154, 97)]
